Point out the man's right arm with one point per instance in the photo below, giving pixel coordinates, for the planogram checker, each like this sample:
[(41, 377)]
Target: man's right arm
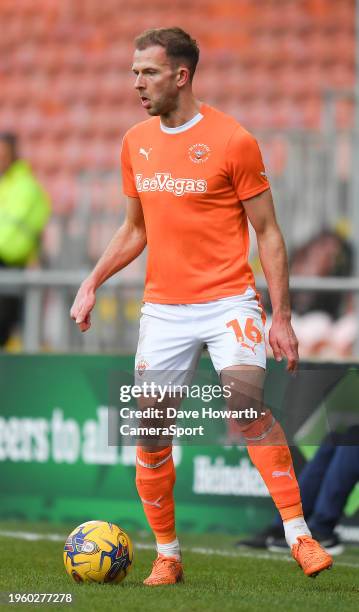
[(127, 244)]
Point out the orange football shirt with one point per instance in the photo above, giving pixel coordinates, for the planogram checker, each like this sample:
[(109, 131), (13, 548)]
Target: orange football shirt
[(190, 183)]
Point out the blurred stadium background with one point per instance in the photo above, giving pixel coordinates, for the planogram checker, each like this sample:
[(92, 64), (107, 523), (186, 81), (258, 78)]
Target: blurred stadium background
[(285, 69)]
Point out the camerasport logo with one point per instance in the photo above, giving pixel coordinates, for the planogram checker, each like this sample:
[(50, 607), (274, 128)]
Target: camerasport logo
[(163, 181), (199, 153)]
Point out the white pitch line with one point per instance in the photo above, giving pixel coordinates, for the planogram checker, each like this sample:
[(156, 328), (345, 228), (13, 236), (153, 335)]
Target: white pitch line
[(56, 537), (32, 537)]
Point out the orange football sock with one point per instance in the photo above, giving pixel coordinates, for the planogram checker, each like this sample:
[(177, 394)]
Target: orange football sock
[(269, 451), (155, 479)]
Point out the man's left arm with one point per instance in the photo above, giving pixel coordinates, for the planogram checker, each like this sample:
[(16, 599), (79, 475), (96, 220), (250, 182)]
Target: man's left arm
[(273, 257)]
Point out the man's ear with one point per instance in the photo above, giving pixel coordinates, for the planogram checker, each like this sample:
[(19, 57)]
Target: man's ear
[(183, 76)]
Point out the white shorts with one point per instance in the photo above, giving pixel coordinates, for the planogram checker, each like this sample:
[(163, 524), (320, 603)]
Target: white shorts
[(172, 336)]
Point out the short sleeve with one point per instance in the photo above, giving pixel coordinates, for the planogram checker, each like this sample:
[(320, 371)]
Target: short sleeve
[(128, 180), (245, 165)]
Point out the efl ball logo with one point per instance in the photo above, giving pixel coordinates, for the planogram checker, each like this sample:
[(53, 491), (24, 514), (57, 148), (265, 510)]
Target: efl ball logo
[(199, 153)]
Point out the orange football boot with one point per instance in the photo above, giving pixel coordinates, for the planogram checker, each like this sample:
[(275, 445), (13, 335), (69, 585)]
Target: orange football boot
[(310, 556), (165, 570)]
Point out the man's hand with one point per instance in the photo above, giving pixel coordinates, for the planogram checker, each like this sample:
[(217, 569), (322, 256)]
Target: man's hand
[(81, 309), (284, 342)]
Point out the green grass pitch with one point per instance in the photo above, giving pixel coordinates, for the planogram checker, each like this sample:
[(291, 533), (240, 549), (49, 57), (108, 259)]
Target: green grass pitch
[(220, 579)]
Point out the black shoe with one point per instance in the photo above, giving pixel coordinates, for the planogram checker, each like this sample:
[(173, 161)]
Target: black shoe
[(330, 543), (261, 539), (278, 545)]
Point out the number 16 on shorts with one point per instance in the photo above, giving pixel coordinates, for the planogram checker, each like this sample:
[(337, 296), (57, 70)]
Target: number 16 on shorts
[(248, 336)]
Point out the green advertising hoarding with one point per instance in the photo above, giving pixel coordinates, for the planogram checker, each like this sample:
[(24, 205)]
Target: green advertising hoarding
[(56, 463)]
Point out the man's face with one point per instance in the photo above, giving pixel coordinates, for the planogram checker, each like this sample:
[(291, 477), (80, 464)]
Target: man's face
[(156, 80), (6, 157)]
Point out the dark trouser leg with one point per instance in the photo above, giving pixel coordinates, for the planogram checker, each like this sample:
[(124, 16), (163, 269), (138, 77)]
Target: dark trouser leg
[(10, 312), (312, 475), (340, 478)]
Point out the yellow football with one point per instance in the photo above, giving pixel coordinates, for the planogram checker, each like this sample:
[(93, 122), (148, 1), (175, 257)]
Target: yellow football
[(98, 551)]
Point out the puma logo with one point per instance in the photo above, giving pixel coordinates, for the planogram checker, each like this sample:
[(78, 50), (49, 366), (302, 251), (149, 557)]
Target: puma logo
[(155, 503), (278, 473), (145, 153), (251, 348)]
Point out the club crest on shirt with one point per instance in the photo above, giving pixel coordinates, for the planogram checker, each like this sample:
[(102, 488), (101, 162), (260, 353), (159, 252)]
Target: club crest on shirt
[(141, 366), (199, 153)]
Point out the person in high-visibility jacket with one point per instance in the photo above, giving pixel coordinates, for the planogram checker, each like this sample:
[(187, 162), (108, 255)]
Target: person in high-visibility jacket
[(24, 211)]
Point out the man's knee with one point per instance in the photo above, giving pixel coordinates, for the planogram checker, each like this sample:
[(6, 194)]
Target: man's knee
[(246, 392)]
